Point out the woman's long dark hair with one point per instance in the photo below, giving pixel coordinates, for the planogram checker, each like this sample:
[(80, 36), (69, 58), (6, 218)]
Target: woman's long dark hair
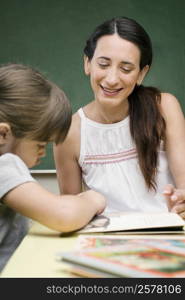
[(147, 125)]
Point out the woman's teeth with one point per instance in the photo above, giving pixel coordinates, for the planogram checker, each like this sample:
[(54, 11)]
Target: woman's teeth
[(111, 91)]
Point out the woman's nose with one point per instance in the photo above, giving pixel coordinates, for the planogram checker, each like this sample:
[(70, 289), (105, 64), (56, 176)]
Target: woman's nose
[(112, 77)]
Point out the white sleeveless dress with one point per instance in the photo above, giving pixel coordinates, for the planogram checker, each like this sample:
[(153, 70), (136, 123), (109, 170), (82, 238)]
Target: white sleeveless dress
[(108, 159)]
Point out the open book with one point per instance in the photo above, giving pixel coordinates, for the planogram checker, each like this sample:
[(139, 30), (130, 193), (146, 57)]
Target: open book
[(115, 256), (128, 222)]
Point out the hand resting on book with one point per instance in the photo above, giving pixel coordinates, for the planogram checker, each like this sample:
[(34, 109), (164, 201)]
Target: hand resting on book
[(176, 200)]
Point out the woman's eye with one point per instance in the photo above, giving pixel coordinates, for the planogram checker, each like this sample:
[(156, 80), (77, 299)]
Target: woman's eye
[(125, 70), (103, 65)]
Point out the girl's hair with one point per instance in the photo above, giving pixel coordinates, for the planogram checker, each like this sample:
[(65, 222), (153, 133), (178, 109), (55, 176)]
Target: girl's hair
[(33, 106), (147, 125)]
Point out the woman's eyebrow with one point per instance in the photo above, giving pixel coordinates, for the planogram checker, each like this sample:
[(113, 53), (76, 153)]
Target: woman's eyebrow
[(127, 63), (123, 62), (103, 57)]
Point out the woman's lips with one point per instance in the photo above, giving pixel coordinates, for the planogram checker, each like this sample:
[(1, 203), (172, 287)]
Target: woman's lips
[(110, 92)]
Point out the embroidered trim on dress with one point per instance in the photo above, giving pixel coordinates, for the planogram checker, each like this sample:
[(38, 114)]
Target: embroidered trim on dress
[(110, 158)]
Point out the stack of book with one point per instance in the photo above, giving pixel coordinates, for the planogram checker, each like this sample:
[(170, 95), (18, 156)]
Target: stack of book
[(133, 246), (115, 256)]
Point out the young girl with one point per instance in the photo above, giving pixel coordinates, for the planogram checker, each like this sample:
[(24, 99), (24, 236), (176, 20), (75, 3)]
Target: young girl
[(129, 142), (33, 111)]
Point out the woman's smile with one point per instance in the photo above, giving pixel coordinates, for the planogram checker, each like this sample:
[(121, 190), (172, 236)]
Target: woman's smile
[(110, 92)]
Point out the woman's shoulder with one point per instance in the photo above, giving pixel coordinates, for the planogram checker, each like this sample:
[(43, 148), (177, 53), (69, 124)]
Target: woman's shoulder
[(170, 105), (74, 130), (71, 145), (85, 110), (168, 97)]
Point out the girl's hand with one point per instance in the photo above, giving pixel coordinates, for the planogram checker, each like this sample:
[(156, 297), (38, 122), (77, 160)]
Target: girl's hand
[(97, 200)]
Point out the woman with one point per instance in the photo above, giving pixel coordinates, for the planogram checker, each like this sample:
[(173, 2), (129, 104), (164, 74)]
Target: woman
[(124, 142)]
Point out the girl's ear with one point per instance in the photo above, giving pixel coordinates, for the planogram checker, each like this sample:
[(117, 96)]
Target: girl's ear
[(5, 133), (86, 65), (142, 74)]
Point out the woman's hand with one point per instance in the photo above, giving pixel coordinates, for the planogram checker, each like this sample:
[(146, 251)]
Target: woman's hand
[(175, 199)]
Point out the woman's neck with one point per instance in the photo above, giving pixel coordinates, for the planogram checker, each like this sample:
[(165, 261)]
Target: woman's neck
[(106, 114)]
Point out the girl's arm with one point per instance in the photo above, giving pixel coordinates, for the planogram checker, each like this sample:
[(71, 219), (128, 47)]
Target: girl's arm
[(62, 213), (66, 160)]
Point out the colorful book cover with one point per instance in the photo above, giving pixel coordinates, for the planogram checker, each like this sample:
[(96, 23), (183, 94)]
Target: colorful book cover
[(120, 257)]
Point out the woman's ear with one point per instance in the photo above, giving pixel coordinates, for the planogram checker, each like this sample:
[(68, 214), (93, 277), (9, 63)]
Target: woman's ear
[(5, 133), (142, 74), (86, 65)]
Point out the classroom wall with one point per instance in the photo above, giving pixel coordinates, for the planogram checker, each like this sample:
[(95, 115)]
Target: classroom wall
[(50, 36)]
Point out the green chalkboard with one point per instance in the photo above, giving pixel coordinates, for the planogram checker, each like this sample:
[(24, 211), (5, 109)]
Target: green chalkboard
[(50, 36)]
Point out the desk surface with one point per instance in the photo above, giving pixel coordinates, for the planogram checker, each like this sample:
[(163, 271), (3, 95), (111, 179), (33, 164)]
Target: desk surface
[(36, 255)]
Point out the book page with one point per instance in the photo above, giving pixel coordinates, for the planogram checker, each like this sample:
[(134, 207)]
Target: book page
[(132, 221)]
